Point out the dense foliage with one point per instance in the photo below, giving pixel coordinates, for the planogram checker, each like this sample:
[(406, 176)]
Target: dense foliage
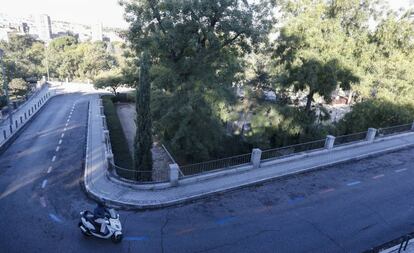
[(196, 47), (202, 50), (143, 136), (27, 60), (214, 64), (122, 155)]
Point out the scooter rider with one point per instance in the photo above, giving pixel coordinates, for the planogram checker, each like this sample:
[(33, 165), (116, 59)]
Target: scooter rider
[(99, 216)]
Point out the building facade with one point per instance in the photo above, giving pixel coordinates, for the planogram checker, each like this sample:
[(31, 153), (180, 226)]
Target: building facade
[(97, 32), (44, 27)]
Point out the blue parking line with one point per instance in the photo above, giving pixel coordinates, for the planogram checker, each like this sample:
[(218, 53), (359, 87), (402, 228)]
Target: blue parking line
[(225, 220), (136, 238), (296, 199)]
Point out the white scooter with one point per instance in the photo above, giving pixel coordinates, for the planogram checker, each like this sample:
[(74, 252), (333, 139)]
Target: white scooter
[(113, 229)]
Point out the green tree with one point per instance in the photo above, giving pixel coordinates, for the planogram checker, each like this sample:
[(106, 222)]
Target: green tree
[(94, 60), (23, 57), (112, 79), (143, 136), (18, 87), (319, 78), (61, 57), (69, 59), (315, 51), (196, 47), (375, 113)]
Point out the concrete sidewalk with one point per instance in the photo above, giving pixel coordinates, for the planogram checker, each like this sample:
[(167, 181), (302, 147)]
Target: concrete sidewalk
[(400, 248), (99, 186)]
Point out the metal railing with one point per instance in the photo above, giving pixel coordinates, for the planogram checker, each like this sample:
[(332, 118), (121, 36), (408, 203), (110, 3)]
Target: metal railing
[(221, 164), (22, 115), (350, 138), (291, 150), (396, 245), (231, 162), (152, 176), (168, 154), (394, 129)]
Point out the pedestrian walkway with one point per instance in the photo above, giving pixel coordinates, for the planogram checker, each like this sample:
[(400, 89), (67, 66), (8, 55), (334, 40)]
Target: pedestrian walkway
[(99, 186), (400, 248)]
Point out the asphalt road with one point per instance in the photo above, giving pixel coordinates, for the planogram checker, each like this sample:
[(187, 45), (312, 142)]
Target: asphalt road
[(349, 208)]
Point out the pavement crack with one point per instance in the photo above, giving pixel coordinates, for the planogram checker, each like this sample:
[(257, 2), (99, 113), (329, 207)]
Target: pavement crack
[(167, 219), (235, 242), (377, 214), (314, 226)]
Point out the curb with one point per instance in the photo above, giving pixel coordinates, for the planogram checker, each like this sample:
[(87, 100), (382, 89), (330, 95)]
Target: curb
[(161, 204)]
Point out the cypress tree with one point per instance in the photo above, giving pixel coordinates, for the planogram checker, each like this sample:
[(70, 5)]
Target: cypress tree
[(143, 136)]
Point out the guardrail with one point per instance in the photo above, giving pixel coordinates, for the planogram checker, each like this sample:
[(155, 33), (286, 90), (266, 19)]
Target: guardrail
[(168, 153), (350, 138), (254, 158), (23, 115), (225, 163), (141, 176), (399, 245), (291, 150), (284, 152), (394, 129)]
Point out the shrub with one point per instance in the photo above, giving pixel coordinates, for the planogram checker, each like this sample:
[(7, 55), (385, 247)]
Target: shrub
[(375, 113), (122, 155)]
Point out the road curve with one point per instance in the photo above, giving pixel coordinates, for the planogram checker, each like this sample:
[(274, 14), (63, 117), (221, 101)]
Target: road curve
[(348, 208)]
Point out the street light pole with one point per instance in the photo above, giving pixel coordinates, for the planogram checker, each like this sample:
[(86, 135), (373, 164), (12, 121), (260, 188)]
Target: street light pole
[(6, 88), (47, 63)]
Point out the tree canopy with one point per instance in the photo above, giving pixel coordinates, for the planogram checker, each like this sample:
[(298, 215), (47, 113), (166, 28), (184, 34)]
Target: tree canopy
[(196, 47)]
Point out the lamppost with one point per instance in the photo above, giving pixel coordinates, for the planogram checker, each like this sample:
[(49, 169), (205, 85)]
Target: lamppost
[(6, 88), (47, 62)]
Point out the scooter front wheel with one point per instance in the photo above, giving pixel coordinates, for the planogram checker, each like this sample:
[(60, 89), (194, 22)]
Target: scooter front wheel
[(83, 230), (116, 238)]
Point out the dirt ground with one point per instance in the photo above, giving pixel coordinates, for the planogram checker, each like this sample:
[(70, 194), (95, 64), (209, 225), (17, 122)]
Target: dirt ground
[(126, 113)]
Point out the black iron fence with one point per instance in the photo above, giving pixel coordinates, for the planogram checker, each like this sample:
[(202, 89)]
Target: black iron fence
[(291, 150), (350, 138), (231, 162), (394, 129), (152, 176), (225, 163)]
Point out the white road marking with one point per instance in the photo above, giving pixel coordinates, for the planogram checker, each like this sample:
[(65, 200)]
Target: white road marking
[(63, 135), (327, 190), (57, 148), (400, 170), (55, 218), (49, 169), (54, 158), (378, 176), (64, 129), (43, 201), (60, 141), (67, 124), (353, 183), (44, 183)]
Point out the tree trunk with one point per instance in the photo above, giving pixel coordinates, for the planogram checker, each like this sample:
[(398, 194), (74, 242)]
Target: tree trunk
[(309, 101), (143, 136), (351, 94)]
